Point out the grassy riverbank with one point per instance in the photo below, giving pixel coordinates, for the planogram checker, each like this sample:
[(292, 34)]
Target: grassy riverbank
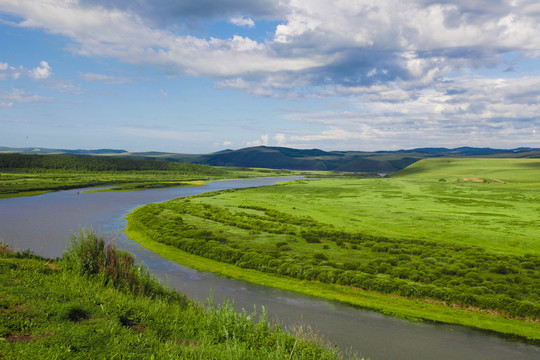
[(398, 306), (419, 246), (25, 175), (95, 303)]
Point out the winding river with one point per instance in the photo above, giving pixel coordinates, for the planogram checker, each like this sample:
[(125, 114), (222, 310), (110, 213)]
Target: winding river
[(43, 224)]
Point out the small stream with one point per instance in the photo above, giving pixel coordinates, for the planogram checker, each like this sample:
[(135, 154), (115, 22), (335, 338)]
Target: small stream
[(43, 224)]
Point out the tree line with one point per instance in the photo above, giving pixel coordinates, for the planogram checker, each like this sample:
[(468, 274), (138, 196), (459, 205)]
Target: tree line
[(37, 163)]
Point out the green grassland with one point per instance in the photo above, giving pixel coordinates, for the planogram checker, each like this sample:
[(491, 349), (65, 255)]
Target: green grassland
[(23, 175), (450, 240), (94, 303)]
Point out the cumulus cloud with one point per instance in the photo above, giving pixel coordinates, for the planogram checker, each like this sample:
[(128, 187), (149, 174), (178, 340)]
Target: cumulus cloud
[(402, 66), (99, 31), (348, 42), (180, 12), (262, 141), (43, 71), (242, 21), (280, 139), (10, 72), (461, 111)]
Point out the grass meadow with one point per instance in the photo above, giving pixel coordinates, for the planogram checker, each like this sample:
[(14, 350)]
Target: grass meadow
[(452, 237)]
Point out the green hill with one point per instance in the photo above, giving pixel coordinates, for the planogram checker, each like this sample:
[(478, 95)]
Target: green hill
[(274, 157), (516, 171)]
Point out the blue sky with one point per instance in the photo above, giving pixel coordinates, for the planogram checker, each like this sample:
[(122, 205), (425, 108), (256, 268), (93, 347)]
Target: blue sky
[(202, 76)]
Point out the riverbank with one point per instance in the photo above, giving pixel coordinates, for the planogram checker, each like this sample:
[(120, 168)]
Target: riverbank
[(397, 306), (28, 175), (430, 249), (83, 301), (140, 187)]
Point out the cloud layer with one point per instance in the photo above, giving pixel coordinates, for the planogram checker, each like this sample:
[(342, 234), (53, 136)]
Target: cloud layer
[(403, 70), (341, 42)]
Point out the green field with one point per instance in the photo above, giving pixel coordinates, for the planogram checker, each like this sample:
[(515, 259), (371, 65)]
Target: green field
[(94, 303), (24, 175), (452, 237)]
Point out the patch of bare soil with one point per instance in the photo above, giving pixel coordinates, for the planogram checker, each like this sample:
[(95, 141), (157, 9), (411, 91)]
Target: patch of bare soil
[(473, 179), (479, 180)]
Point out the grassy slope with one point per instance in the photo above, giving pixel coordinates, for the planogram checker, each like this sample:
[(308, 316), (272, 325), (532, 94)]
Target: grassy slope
[(48, 311), (518, 172), (414, 204), (500, 217)]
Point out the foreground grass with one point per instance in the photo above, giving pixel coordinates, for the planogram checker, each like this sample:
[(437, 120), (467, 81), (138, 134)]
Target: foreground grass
[(52, 310), (415, 246)]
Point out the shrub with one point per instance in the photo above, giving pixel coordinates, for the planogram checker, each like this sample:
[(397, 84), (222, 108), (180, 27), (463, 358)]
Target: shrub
[(320, 256), (89, 254)]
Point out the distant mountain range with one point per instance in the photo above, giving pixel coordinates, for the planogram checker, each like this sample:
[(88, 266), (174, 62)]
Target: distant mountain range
[(36, 150), (298, 159)]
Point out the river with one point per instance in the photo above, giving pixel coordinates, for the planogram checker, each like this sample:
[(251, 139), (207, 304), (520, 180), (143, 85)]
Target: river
[(43, 224)]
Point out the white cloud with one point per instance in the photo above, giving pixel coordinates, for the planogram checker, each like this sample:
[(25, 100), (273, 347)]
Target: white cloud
[(462, 111), (242, 21), (97, 31), (106, 79), (227, 143), (336, 42), (10, 72), (403, 67), (280, 139), (262, 141), (43, 71), (20, 96), (67, 87)]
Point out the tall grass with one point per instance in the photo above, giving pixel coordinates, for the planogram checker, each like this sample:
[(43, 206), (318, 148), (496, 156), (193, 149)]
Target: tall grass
[(69, 313), (90, 254)]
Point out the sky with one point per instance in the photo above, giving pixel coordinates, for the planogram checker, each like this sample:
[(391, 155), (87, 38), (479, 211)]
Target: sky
[(201, 76)]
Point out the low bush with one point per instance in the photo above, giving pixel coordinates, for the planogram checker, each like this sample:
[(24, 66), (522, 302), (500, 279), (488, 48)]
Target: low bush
[(89, 254)]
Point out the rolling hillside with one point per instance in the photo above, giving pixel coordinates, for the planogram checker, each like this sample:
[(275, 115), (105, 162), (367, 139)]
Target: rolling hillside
[(302, 159)]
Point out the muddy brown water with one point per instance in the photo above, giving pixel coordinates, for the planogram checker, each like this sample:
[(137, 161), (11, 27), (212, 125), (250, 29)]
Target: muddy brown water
[(43, 224)]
